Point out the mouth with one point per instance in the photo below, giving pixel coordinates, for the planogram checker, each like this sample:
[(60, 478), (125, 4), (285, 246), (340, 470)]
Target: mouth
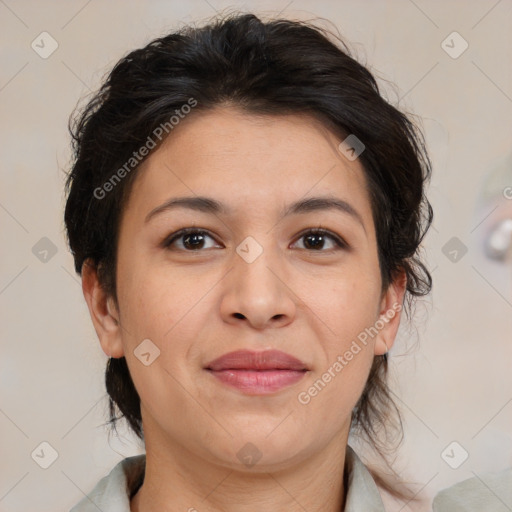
[(257, 373)]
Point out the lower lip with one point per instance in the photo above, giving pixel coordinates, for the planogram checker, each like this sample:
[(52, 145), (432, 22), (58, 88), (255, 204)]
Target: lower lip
[(258, 382)]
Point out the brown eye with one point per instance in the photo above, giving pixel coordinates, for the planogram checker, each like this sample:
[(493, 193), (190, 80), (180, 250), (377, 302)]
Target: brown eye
[(316, 240), (189, 239)]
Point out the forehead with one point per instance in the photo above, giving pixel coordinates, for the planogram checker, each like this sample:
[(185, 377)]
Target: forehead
[(250, 163)]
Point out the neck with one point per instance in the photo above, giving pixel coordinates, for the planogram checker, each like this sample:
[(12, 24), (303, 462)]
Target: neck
[(176, 479)]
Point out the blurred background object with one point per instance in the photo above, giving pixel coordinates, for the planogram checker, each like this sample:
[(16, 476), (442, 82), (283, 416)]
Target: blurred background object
[(498, 190)]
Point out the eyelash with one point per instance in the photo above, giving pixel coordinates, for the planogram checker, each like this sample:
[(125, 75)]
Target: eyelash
[(339, 242)]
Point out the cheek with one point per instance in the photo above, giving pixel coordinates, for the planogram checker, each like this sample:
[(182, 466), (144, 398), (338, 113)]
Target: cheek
[(349, 305), (347, 310), (169, 308), (152, 299), (163, 310), (338, 381)]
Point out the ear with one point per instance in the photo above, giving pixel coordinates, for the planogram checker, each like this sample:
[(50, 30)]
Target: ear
[(390, 313), (104, 314)]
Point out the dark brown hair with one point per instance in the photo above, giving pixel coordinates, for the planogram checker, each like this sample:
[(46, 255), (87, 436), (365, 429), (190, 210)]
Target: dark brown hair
[(275, 67)]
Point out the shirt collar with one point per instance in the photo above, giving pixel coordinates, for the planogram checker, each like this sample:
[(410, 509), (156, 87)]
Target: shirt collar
[(113, 491), (362, 492)]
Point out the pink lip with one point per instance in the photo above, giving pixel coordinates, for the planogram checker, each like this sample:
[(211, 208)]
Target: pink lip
[(258, 373), (248, 360)]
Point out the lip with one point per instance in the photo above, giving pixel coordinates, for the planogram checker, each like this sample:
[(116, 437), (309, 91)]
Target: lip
[(257, 373), (249, 360)]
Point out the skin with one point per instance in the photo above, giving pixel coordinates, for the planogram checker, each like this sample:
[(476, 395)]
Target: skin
[(197, 304)]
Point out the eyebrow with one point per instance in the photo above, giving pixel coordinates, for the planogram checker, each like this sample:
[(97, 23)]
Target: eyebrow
[(212, 206)]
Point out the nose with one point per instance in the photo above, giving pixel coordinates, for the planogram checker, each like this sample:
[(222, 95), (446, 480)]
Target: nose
[(258, 293)]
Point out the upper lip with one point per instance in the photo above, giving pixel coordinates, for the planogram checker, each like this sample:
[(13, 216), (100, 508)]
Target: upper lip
[(249, 360)]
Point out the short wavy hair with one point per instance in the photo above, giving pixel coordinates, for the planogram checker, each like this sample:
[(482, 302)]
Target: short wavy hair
[(275, 67)]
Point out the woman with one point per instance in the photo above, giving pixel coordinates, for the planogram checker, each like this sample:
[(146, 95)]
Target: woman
[(246, 213)]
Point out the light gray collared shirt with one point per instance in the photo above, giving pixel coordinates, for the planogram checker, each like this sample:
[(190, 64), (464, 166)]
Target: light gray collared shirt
[(113, 492)]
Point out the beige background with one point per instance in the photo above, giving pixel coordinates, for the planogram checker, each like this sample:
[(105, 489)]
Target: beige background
[(452, 371)]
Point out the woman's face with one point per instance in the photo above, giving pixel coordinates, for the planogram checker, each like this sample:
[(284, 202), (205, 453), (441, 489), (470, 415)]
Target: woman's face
[(254, 278)]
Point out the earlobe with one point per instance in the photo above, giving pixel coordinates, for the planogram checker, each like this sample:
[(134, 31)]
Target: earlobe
[(104, 314), (390, 314)]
